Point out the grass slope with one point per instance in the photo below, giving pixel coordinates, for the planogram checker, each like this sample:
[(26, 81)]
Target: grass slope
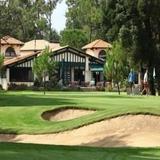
[(20, 112), (9, 151)]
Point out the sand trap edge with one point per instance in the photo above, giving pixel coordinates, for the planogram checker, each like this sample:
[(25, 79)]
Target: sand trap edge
[(50, 114)]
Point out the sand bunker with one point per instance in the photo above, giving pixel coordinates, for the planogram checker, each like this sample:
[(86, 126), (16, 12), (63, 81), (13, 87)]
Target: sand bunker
[(63, 114), (129, 130)]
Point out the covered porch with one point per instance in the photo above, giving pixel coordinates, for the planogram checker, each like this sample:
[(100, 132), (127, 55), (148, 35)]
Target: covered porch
[(78, 68), (18, 71)]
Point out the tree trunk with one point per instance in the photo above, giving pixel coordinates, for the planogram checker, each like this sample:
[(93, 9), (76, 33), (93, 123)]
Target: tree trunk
[(118, 88), (44, 85), (141, 78), (151, 81), (157, 78)]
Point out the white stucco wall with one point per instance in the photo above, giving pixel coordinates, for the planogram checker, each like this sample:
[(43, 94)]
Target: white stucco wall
[(94, 52)]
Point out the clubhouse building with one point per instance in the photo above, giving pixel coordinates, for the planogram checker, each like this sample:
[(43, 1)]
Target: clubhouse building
[(74, 65)]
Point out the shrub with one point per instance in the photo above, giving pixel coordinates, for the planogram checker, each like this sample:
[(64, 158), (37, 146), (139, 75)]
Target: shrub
[(100, 88), (13, 86), (1, 87)]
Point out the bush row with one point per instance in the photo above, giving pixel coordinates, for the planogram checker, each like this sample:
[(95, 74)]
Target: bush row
[(49, 87)]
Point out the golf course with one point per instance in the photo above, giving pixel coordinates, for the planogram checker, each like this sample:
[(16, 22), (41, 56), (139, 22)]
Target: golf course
[(79, 125)]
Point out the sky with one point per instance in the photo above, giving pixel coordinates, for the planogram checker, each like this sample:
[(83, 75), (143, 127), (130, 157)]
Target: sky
[(58, 16)]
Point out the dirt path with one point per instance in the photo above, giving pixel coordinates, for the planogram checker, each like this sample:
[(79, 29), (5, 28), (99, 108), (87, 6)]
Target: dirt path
[(130, 130)]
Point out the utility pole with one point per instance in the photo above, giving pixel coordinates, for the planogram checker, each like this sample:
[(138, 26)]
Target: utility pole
[(2, 3), (50, 20), (35, 37)]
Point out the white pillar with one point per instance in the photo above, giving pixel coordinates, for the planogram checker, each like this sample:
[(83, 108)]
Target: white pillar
[(4, 84), (4, 81), (87, 71), (72, 74), (87, 64), (8, 75)]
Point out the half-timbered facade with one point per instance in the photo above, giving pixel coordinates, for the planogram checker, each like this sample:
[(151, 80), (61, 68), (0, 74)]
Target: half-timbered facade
[(73, 65)]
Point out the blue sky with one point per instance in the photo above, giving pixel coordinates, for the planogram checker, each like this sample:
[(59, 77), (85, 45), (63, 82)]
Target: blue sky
[(58, 16)]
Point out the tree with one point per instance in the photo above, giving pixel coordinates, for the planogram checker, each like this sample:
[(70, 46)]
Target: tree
[(137, 24), (54, 37), (26, 19), (85, 15), (44, 66), (116, 67), (74, 38)]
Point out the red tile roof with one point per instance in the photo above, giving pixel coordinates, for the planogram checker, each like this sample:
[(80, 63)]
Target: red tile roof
[(18, 58), (97, 44), (10, 40), (24, 56), (38, 45)]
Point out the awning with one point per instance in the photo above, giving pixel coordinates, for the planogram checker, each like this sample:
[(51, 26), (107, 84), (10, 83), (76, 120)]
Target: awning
[(96, 67)]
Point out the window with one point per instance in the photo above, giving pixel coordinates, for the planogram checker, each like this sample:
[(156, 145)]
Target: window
[(10, 52), (78, 74), (102, 54), (21, 74)]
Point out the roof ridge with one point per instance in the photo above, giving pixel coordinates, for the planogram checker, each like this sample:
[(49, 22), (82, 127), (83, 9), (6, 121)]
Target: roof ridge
[(96, 41), (10, 40)]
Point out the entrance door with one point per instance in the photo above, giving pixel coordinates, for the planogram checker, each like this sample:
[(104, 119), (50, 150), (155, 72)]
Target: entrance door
[(96, 76), (78, 75)]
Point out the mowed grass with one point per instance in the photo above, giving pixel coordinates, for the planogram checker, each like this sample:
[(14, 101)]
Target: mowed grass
[(20, 112), (9, 151)]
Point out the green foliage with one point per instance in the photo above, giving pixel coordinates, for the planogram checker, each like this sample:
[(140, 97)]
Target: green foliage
[(43, 65), (1, 60), (54, 37), (85, 15), (116, 66), (74, 38), (25, 19), (20, 87), (136, 23)]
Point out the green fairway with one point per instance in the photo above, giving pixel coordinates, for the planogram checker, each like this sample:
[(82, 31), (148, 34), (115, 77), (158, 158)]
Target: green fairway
[(10, 151), (20, 112)]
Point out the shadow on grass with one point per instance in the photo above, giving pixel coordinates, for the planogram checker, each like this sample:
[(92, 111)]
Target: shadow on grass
[(28, 100), (108, 95), (118, 96), (8, 131), (32, 151)]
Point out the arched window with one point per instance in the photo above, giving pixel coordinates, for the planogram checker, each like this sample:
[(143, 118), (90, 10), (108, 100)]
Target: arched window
[(10, 52), (102, 54)]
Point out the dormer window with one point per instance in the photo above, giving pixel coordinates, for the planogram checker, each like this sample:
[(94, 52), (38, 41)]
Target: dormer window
[(10, 52)]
